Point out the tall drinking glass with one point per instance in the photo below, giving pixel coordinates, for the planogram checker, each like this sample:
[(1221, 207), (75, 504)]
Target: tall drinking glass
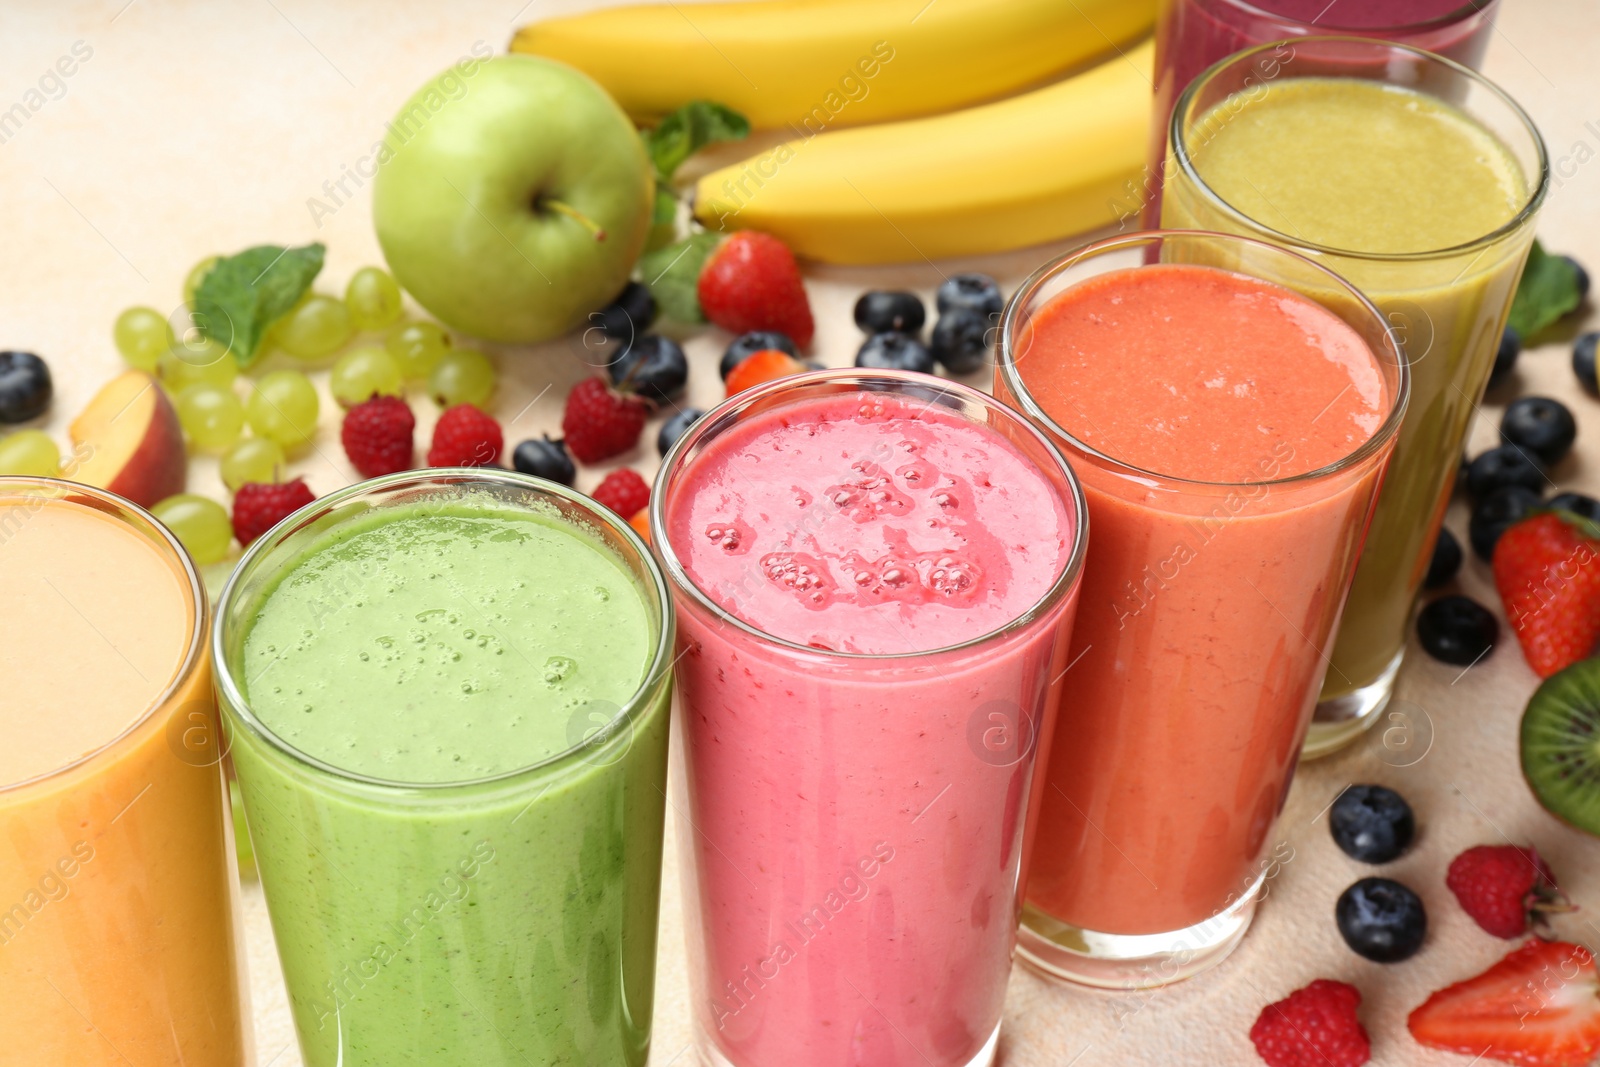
[(1230, 407), (1419, 182), (446, 695), (875, 575), (1193, 34), (118, 941)]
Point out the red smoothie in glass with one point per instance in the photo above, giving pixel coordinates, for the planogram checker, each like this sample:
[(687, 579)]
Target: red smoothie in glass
[(1207, 593)]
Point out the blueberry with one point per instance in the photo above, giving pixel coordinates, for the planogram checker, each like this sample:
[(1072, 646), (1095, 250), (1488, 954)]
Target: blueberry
[(1583, 362), (748, 344), (629, 315), (1457, 629), (1539, 425), (1381, 920), (1497, 513), (1372, 823), (1446, 560), (1583, 278), (1505, 357), (653, 366), (960, 340), (544, 458), (978, 292), (1502, 466), (895, 351), (25, 388), (879, 311), (674, 427), (1586, 507)]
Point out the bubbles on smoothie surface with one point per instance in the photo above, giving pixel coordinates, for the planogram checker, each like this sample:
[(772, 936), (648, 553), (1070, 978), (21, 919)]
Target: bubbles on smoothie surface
[(443, 647)]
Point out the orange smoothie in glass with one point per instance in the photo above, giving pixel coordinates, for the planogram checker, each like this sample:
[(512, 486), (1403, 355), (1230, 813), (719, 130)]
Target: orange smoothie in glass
[(1212, 418), (117, 937)]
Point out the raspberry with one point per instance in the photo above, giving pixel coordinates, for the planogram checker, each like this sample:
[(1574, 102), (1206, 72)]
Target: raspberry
[(623, 491), (258, 507), (1313, 1027), (1501, 885), (465, 437), (377, 436), (600, 423)]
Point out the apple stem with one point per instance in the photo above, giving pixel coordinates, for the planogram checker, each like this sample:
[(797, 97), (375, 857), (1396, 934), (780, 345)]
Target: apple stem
[(564, 208)]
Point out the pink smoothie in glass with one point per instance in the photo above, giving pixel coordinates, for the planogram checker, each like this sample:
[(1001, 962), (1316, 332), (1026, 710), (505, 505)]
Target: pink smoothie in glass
[(856, 833)]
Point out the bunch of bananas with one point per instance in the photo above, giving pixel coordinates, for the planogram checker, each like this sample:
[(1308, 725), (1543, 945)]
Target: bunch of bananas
[(910, 178)]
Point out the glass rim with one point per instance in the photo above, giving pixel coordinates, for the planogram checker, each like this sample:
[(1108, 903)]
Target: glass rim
[(1457, 14), (1006, 362), (234, 701), (1523, 217), (194, 653), (727, 414)]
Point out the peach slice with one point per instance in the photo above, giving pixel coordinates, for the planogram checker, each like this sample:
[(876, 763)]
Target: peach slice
[(128, 441)]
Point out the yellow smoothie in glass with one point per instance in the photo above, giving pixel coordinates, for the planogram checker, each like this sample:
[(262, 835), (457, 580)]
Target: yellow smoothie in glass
[(117, 939), (1396, 190)]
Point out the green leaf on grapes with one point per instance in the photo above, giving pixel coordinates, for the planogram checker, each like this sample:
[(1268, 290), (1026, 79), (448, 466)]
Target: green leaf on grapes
[(689, 129), (672, 274), (242, 295), (1548, 290)]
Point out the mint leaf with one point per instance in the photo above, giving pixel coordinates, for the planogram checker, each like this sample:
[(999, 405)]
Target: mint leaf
[(1548, 290), (689, 129), (240, 297), (663, 220), (672, 274)]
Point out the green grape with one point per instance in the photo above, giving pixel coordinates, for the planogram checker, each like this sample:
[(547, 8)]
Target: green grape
[(196, 275), (417, 347), (361, 373), (211, 415), (284, 408), (316, 328), (463, 376), (142, 336), (254, 459), (202, 362), (373, 299), (30, 452), (200, 523)]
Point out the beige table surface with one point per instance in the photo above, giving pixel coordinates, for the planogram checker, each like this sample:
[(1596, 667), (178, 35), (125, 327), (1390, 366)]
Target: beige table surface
[(198, 127)]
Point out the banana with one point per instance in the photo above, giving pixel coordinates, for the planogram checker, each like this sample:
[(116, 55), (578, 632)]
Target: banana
[(816, 64), (1037, 167)]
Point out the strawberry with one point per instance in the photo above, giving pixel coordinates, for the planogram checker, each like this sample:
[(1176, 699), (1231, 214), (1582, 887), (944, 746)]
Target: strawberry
[(1547, 569), (258, 506), (1313, 1027), (762, 366), (1540, 1006), (465, 437), (600, 423), (377, 436), (751, 282), (623, 491), (1503, 886)]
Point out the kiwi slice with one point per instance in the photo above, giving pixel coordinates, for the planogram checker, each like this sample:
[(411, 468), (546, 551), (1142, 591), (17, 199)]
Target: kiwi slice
[(1561, 745)]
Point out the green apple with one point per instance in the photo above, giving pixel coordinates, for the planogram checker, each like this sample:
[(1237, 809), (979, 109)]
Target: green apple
[(512, 198)]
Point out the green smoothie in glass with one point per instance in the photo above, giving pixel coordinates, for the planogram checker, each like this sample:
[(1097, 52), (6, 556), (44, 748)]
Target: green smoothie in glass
[(447, 698), (1418, 182)]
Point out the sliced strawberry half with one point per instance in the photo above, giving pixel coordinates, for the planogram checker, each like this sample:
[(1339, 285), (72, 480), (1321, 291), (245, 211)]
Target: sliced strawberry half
[(1540, 1007)]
